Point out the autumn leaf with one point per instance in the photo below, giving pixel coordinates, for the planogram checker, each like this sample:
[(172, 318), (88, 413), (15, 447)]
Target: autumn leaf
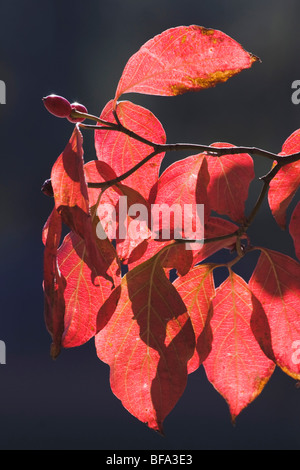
[(72, 199), (216, 228), (147, 341), (127, 215), (236, 365), (85, 291), (276, 284), (180, 188), (54, 283), (197, 289), (69, 185), (230, 177), (181, 59), (285, 184), (122, 211), (181, 259), (295, 229), (122, 152)]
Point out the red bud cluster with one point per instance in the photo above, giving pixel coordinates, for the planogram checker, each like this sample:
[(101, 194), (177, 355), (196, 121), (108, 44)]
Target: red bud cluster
[(62, 108)]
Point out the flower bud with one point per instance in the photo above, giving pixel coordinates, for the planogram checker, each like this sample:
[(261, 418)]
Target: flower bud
[(47, 188), (80, 108), (58, 106)]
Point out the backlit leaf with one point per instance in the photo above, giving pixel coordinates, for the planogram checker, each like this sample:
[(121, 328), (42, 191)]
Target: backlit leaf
[(116, 210), (230, 177), (214, 228), (276, 284), (295, 229), (286, 183), (122, 152), (147, 342), (54, 283), (181, 59), (181, 187), (85, 291), (236, 365), (72, 200), (197, 289)]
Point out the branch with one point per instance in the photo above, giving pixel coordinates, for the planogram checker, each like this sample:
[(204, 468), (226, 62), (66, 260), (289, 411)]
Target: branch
[(212, 151), (220, 151), (160, 148), (120, 128), (281, 160), (205, 241), (107, 184)]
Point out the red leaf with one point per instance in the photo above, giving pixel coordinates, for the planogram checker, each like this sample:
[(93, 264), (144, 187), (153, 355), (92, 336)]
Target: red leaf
[(178, 257), (186, 58), (51, 233), (236, 365), (230, 177), (122, 152), (214, 228), (68, 181), (175, 214), (54, 283), (197, 289), (286, 183), (147, 342), (85, 291), (276, 284), (132, 230), (71, 198), (182, 184), (295, 229)]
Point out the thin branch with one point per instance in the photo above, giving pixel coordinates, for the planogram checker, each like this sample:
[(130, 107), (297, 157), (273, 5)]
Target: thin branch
[(220, 151), (258, 205), (281, 160), (125, 175), (213, 151), (120, 128), (205, 241), (99, 128)]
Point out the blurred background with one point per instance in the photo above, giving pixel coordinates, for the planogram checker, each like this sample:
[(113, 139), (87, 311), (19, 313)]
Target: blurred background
[(78, 50)]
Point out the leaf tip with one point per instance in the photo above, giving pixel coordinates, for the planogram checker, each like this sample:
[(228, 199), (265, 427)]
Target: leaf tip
[(233, 420), (255, 58)]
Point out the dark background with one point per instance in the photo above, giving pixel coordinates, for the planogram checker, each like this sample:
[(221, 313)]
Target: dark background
[(78, 50)]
